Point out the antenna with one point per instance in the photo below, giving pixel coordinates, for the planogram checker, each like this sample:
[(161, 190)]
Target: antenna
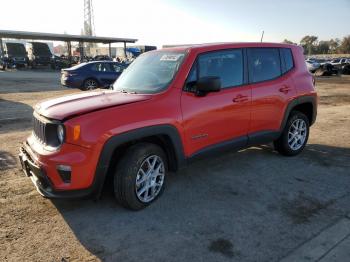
[(262, 36)]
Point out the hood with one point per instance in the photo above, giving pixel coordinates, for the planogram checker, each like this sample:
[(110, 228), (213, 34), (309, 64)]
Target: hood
[(72, 105)]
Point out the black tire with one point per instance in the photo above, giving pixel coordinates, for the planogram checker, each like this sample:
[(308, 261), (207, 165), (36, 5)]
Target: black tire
[(89, 84), (126, 174), (281, 144)]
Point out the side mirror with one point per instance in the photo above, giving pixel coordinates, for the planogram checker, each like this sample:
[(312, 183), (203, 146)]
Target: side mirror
[(208, 84)]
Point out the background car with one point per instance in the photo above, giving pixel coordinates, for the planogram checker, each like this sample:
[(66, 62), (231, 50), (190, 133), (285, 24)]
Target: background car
[(92, 75), (60, 62), (312, 66), (102, 58), (2, 64)]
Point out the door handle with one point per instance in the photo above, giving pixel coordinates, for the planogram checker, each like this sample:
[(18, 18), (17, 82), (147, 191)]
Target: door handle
[(284, 89), (240, 98)]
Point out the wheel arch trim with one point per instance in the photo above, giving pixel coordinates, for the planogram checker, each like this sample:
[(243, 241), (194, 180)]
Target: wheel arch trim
[(309, 99), (114, 142)]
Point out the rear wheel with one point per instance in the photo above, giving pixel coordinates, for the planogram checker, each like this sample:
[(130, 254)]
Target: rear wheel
[(294, 136), (140, 176), (90, 84)]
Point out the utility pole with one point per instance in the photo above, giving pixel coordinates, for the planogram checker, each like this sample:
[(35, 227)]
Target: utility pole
[(89, 25)]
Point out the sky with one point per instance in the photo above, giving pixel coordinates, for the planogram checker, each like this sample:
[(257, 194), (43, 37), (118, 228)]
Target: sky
[(184, 21)]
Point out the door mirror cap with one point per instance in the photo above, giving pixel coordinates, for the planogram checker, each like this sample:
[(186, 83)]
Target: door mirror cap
[(208, 84)]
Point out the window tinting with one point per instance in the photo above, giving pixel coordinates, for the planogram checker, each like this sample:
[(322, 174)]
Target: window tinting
[(228, 65), (100, 67), (193, 74), (264, 64), (287, 57), (117, 68)]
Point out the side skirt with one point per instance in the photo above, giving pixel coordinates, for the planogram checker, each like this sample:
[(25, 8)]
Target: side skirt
[(235, 144)]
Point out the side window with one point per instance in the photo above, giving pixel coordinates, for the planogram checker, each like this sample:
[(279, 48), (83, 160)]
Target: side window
[(264, 64), (100, 67), (193, 74), (107, 67), (228, 65), (286, 55), (97, 67), (117, 68)]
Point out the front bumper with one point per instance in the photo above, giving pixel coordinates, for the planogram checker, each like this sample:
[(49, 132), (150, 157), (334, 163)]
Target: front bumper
[(37, 172)]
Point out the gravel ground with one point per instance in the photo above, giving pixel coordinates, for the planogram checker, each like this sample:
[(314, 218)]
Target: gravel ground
[(251, 205)]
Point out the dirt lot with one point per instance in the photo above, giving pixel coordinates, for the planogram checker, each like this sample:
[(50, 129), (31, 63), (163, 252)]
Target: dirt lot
[(252, 205)]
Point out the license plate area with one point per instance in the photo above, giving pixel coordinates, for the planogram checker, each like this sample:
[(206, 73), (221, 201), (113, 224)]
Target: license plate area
[(28, 166)]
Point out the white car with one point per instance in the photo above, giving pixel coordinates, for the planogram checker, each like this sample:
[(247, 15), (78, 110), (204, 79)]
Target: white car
[(312, 66)]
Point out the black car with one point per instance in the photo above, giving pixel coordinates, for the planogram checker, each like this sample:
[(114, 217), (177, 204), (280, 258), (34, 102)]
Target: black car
[(14, 55), (2, 64), (102, 58), (39, 54), (60, 62)]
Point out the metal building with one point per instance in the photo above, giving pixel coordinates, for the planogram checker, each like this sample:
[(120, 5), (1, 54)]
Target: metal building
[(81, 39)]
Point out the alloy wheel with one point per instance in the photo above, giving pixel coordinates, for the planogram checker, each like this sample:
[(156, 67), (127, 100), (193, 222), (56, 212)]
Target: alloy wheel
[(90, 84), (297, 134), (150, 178)]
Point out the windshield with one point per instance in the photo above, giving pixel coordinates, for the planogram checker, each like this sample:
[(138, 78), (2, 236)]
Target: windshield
[(16, 49), (150, 73), (41, 49)]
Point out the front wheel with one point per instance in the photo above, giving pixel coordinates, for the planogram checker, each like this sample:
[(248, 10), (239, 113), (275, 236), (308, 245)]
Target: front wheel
[(140, 176), (294, 136)]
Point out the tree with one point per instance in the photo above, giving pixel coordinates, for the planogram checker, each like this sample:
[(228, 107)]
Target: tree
[(309, 42), (345, 45), (323, 47), (286, 41), (334, 45)]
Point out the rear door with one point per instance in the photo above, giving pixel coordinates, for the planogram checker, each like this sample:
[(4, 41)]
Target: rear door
[(103, 72), (221, 116), (271, 85)]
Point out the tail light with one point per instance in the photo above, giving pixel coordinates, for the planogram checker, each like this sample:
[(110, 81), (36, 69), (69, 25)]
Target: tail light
[(66, 73)]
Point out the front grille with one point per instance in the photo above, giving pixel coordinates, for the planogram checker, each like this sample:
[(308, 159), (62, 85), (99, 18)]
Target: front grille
[(39, 130), (45, 131)]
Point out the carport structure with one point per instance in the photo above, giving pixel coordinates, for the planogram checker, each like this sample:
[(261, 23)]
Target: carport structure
[(81, 39)]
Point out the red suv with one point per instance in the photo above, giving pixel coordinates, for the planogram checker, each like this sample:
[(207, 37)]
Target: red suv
[(168, 108)]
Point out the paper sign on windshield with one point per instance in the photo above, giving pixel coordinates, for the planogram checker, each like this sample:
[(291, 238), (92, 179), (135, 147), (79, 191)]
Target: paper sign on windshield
[(170, 57)]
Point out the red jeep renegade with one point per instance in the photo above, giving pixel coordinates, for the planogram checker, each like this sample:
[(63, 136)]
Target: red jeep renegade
[(168, 108)]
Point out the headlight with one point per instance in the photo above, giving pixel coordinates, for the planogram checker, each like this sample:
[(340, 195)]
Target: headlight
[(60, 133)]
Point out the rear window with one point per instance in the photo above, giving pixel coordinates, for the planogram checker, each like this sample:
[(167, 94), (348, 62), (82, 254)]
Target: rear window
[(264, 64), (287, 59), (78, 66)]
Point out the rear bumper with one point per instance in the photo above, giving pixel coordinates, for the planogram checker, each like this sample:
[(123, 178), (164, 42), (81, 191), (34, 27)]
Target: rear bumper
[(37, 172), (67, 82)]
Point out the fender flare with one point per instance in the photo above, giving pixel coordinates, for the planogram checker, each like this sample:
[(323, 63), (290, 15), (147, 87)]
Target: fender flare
[(299, 101), (115, 141)]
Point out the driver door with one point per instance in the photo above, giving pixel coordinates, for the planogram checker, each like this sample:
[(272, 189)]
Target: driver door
[(220, 118)]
